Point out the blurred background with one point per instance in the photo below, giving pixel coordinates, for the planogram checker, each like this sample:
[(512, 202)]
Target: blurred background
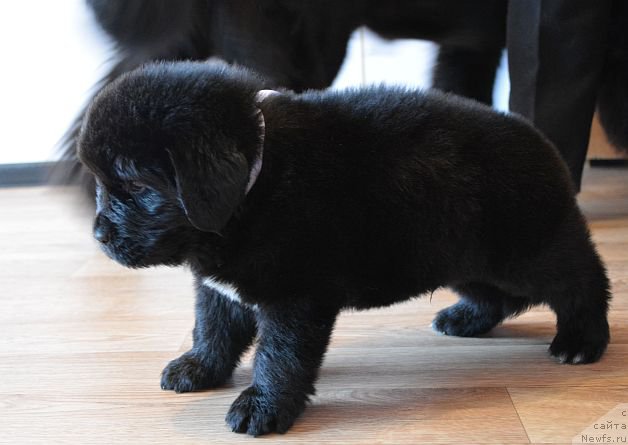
[(63, 53), (54, 54)]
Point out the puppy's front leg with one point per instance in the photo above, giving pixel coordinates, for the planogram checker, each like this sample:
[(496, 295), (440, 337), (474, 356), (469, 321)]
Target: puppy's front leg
[(223, 330), (292, 342)]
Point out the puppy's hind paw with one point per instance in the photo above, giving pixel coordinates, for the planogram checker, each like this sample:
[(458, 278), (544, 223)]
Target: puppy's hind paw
[(463, 320), (575, 351), (189, 373), (256, 413)]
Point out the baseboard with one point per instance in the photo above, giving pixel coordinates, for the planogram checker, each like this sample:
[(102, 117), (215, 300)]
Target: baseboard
[(29, 174), (615, 162)]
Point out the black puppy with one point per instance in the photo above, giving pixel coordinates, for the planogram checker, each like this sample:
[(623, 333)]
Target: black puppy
[(364, 198)]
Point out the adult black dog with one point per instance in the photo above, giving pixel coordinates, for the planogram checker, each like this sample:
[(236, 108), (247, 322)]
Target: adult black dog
[(293, 207)]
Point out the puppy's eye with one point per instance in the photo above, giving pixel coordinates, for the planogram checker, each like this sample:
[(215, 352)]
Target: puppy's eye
[(136, 187)]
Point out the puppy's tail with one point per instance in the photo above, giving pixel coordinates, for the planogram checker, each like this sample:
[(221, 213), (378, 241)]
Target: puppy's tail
[(613, 93)]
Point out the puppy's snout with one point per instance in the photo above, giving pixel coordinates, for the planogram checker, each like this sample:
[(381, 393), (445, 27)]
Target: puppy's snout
[(102, 229)]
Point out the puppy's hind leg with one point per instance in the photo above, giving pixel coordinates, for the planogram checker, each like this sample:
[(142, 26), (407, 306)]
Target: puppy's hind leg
[(480, 309), (580, 300), (223, 330)]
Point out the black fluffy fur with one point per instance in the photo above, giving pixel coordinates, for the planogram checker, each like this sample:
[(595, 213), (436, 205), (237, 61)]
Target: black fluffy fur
[(365, 198), (295, 44)]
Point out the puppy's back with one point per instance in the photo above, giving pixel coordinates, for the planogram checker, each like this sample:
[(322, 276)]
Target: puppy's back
[(425, 157), (368, 130)]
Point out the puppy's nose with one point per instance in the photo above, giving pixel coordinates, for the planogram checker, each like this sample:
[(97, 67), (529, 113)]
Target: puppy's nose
[(102, 229)]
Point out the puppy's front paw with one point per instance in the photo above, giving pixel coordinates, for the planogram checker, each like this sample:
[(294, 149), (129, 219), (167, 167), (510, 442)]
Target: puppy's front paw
[(255, 412), (189, 373), (575, 350)]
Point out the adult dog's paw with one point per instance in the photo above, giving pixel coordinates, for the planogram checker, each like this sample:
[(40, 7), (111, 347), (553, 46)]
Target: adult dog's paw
[(189, 373), (255, 413)]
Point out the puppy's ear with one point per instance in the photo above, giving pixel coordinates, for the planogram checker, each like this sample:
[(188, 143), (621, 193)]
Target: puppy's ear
[(210, 184)]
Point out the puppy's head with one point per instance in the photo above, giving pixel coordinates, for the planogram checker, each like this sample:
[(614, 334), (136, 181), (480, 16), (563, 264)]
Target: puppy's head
[(171, 146)]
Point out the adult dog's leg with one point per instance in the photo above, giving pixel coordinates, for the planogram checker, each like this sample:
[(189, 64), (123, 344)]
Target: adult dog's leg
[(223, 330), (467, 72), (292, 342), (480, 309)]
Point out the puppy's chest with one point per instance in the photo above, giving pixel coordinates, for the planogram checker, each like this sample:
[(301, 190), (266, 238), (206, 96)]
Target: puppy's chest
[(227, 289)]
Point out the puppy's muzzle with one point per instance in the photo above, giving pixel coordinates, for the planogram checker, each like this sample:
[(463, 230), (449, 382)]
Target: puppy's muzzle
[(102, 229)]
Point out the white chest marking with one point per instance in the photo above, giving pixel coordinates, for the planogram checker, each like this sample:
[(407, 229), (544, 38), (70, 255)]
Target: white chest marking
[(226, 289)]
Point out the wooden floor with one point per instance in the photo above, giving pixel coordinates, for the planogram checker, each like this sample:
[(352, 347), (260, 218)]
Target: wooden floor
[(83, 342)]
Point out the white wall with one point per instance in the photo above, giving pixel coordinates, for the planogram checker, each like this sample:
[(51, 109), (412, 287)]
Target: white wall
[(373, 60), (53, 54)]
